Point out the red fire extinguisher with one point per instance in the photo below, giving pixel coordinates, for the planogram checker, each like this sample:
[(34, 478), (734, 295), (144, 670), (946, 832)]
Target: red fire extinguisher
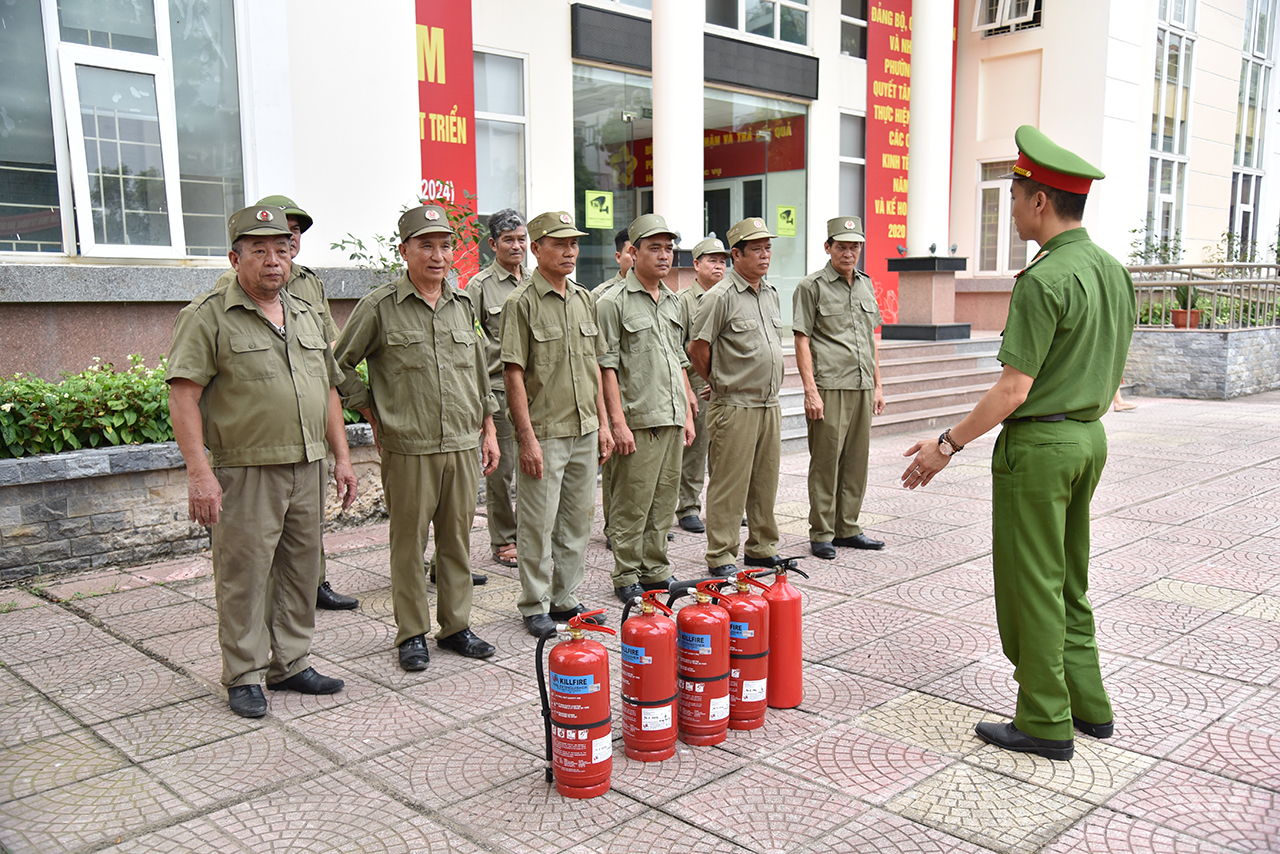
[(786, 677), (649, 681), (702, 662), (579, 723), (748, 653)]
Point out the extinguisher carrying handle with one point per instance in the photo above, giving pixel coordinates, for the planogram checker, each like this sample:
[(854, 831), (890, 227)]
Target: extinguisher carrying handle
[(546, 701), (785, 565), (583, 622), (652, 596), (748, 578)]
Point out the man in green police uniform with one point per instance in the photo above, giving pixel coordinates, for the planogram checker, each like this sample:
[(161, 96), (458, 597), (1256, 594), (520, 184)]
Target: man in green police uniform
[(835, 315), (1065, 343), (647, 396), (550, 344), (488, 290), (710, 259), (304, 283), (429, 403), (251, 378), (736, 347)]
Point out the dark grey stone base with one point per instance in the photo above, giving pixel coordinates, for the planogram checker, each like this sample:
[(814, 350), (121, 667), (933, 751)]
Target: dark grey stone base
[(924, 331)]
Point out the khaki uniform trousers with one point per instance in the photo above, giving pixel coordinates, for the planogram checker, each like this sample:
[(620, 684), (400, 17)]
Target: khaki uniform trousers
[(430, 491), (644, 486), (838, 447), (693, 466), (1043, 478), (553, 522), (499, 487), (743, 459), (266, 562)]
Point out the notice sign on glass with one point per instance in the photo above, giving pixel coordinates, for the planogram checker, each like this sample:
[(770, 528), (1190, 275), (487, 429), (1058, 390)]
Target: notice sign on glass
[(599, 209), (888, 135), (786, 221)]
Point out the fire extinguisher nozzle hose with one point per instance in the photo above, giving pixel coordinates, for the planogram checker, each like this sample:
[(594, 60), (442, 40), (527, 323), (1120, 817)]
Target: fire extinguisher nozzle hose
[(542, 692)]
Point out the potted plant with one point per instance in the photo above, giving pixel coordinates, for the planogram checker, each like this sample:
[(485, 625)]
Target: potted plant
[(1186, 315)]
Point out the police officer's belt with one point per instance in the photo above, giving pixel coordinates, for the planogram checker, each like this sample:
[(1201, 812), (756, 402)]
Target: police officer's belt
[(1061, 416)]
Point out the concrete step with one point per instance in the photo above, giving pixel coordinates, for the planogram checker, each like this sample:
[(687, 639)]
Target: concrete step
[(935, 364), (914, 349), (897, 386), (936, 398)]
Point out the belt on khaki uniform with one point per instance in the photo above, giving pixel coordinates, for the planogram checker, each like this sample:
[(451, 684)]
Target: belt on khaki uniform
[(1061, 416)]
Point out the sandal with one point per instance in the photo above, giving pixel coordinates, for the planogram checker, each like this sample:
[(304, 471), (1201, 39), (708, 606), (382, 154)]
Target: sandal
[(506, 554)]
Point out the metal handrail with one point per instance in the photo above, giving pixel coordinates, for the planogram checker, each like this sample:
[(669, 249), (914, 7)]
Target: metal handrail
[(1227, 296)]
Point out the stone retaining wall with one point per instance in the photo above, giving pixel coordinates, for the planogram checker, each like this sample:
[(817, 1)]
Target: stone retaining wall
[(108, 507), (1204, 364)]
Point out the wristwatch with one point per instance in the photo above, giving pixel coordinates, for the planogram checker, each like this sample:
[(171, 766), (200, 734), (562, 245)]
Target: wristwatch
[(947, 446)]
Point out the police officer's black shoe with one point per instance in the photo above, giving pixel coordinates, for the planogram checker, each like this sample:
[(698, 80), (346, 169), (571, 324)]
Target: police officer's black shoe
[(628, 592), (693, 524), (858, 541), (247, 701), (1096, 730), (1009, 737), (308, 682), (331, 600), (824, 550), (414, 654), (770, 561), (539, 624), (728, 570), (466, 643), (565, 616)]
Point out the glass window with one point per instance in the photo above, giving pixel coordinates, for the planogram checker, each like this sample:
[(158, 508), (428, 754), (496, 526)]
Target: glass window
[(499, 84), (499, 133), (779, 20), (853, 165), (760, 18), (853, 28), (113, 24), (1000, 250), (996, 17), (723, 13), (1170, 120)]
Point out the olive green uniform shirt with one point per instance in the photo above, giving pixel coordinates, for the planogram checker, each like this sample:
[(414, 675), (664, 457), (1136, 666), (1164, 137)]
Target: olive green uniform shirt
[(428, 385), (303, 282), (741, 325), (690, 298), (603, 289), (644, 343), (488, 290), (1071, 319), (266, 397), (555, 340), (839, 320)]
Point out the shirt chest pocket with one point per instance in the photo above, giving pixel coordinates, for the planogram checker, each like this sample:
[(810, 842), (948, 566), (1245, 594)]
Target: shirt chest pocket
[(313, 351), (868, 305), (549, 347), (745, 334), (834, 316), (463, 348), (253, 357), (406, 350), (639, 334)]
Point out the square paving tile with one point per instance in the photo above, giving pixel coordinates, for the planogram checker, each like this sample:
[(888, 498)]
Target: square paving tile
[(165, 620), (129, 601), (1262, 607), (876, 832), (174, 728), (939, 726), (782, 727), (766, 809), (477, 690), (128, 692), (1096, 773), (37, 633), (1196, 595), (1104, 831), (1243, 817), (654, 832), (989, 809), (840, 696), (987, 684), (197, 836), (88, 813), (31, 718), (655, 783), (1243, 745), (56, 761), (366, 726)]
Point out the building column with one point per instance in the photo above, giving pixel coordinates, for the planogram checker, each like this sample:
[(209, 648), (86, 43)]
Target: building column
[(677, 116), (926, 278)]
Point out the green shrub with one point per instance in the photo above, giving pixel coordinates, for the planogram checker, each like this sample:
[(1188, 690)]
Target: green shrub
[(96, 407)]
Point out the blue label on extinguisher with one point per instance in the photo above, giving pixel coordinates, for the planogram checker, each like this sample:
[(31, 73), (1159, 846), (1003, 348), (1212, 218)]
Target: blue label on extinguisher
[(740, 631), (690, 642), (584, 684), (634, 654)]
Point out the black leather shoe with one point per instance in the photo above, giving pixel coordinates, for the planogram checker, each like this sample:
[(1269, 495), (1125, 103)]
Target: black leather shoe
[(1009, 737), (824, 550), (657, 585), (858, 541), (608, 544), (414, 654), (771, 561), (476, 578), (728, 570), (539, 624), (693, 524), (331, 600), (1096, 730), (308, 682), (466, 643), (247, 701), (670, 537), (744, 522), (565, 616), (628, 592)]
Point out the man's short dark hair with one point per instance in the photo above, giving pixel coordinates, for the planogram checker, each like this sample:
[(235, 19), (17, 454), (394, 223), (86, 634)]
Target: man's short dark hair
[(620, 239), (1068, 206), (503, 221), (236, 244)]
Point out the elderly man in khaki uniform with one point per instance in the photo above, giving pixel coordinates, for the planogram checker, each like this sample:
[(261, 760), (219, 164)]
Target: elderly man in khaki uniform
[(488, 290), (550, 344), (252, 379), (647, 396), (429, 403), (834, 319), (304, 283), (710, 259), (735, 345)]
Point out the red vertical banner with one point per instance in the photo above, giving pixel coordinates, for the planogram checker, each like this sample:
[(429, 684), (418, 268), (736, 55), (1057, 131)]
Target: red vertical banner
[(447, 112), (888, 133)]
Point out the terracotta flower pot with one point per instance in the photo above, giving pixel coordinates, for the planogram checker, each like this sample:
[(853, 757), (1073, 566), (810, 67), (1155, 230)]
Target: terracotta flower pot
[(1186, 318)]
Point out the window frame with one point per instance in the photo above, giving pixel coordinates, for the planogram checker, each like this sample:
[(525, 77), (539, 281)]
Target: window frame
[(1004, 219), (522, 120), (740, 31), (849, 19), (1003, 18), (843, 160)]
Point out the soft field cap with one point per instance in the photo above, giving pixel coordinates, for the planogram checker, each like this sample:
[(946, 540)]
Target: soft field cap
[(424, 219), (258, 219), (553, 224), (751, 228), (290, 209), (709, 246)]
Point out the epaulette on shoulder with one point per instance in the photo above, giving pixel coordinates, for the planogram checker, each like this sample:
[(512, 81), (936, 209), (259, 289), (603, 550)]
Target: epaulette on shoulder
[(1040, 256)]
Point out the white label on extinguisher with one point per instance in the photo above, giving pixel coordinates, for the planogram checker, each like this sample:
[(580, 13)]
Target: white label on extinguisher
[(654, 719), (719, 708), (601, 748), (754, 690)]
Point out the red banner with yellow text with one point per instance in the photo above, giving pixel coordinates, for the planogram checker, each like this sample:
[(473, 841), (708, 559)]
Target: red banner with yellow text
[(729, 152), (447, 111), (888, 132)]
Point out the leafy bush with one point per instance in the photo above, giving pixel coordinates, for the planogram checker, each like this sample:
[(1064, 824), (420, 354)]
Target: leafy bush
[(96, 407)]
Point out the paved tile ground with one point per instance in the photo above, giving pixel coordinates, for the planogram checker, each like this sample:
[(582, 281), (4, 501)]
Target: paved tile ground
[(114, 734)]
